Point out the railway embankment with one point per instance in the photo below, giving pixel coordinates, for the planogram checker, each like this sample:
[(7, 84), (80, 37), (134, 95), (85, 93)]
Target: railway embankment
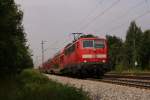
[(105, 91)]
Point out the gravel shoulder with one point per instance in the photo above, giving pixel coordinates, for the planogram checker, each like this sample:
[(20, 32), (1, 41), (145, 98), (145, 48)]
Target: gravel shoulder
[(104, 91)]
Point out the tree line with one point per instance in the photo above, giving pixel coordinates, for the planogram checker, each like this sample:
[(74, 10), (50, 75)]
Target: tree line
[(14, 53), (133, 52)]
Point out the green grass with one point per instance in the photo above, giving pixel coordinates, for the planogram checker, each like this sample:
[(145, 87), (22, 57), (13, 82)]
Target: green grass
[(120, 70), (32, 85)]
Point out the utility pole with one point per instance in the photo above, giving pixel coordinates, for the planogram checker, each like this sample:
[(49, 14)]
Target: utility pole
[(42, 43), (76, 35)]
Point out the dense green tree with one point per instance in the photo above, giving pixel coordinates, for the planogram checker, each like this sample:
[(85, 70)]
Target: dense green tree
[(14, 54), (136, 48), (145, 50), (115, 50), (132, 46)]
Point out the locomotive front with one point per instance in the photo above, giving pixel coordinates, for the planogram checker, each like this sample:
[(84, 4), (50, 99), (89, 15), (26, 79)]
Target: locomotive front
[(92, 56), (93, 50)]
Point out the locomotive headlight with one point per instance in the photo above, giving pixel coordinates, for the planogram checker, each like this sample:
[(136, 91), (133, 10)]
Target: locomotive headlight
[(87, 56), (85, 61), (101, 56), (103, 61)]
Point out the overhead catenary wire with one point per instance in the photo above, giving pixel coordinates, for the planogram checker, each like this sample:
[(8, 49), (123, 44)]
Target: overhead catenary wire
[(129, 11), (136, 18), (100, 14), (50, 46), (126, 13), (57, 41), (91, 12)]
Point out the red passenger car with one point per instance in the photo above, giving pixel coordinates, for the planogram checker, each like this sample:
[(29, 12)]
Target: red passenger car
[(83, 57)]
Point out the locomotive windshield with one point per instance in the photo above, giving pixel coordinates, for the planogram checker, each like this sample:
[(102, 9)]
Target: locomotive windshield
[(93, 43), (88, 43), (99, 44)]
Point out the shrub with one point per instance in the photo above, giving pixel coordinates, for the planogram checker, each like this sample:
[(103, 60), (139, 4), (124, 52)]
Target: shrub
[(35, 86), (119, 68), (32, 85), (32, 76)]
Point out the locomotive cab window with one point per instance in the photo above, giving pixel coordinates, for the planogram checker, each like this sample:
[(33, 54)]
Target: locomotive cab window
[(99, 44), (88, 43)]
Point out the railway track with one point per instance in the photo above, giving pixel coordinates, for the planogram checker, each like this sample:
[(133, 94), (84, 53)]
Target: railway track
[(127, 82), (139, 81), (145, 76)]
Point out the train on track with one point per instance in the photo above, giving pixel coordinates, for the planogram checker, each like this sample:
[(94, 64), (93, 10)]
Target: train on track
[(86, 56)]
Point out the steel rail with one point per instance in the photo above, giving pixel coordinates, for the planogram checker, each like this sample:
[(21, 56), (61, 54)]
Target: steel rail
[(138, 81)]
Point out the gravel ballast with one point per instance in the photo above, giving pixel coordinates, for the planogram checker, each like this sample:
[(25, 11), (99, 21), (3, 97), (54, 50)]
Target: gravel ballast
[(105, 91)]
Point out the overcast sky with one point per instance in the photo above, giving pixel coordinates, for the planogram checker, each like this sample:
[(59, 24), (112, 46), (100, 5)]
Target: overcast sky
[(54, 20)]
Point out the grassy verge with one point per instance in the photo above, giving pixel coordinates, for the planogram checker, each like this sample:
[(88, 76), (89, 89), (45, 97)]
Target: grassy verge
[(131, 72), (121, 69), (31, 85)]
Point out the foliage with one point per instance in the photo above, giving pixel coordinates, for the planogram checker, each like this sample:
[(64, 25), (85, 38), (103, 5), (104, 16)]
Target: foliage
[(133, 45), (119, 68), (32, 76), (14, 54), (135, 48), (9, 88), (115, 50), (32, 85), (145, 50)]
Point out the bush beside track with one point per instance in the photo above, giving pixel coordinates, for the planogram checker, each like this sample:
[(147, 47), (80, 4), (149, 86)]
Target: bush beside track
[(32, 85)]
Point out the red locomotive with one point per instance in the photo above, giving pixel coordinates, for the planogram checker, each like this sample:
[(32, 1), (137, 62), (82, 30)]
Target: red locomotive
[(86, 56)]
